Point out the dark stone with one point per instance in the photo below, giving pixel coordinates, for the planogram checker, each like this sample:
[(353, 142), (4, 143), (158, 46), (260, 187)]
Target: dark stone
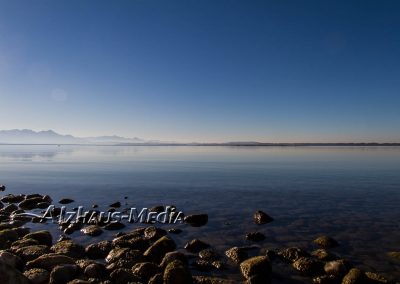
[(152, 233), (9, 275), (236, 254), (145, 270), (355, 276), (326, 242), (337, 267), (175, 231), (2, 187), (37, 276), (98, 250), (11, 198), (92, 230), (30, 203), (255, 236), (49, 261), (69, 248), (114, 226), (95, 270), (261, 217), (171, 256), (208, 254), (11, 259), (196, 246), (123, 276), (157, 251), (177, 273), (292, 254), (43, 237), (196, 220), (66, 201), (258, 266), (309, 266), (62, 274), (116, 204), (29, 253)]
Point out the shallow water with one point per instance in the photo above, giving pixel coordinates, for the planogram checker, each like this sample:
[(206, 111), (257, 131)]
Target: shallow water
[(349, 193)]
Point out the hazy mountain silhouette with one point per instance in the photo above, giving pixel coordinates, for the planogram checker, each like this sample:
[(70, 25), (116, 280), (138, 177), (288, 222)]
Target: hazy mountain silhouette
[(27, 136)]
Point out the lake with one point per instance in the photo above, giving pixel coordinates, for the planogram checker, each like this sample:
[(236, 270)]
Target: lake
[(349, 193)]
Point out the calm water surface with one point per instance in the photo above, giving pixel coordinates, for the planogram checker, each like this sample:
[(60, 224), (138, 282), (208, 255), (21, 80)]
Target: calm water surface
[(349, 193)]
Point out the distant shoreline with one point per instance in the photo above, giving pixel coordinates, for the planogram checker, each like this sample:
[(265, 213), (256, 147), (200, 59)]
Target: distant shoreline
[(239, 144)]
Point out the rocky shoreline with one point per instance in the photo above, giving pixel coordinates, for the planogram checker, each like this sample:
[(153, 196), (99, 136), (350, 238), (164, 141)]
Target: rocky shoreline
[(149, 254)]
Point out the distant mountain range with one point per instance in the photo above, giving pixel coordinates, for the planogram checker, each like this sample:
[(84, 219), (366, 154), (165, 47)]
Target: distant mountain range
[(27, 136)]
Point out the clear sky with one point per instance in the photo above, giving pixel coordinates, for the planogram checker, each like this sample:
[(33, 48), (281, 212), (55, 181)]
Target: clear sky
[(203, 70)]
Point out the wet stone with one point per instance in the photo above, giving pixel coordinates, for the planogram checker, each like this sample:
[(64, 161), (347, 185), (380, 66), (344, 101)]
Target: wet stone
[(177, 273), (43, 237), (196, 220), (308, 266), (157, 251), (292, 254), (145, 270), (92, 230), (258, 266), (37, 276), (98, 250), (196, 246), (69, 248), (326, 242), (63, 273), (255, 236), (236, 254), (29, 253), (261, 218), (66, 201)]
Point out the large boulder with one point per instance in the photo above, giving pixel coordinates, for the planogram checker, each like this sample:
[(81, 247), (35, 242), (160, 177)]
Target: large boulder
[(9, 275), (157, 251), (49, 261), (177, 273), (257, 267), (43, 237), (69, 248), (261, 217)]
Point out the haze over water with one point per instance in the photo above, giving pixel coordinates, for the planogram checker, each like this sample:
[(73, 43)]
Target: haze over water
[(349, 193)]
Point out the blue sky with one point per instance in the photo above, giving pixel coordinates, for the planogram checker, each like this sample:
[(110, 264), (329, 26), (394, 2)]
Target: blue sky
[(203, 70)]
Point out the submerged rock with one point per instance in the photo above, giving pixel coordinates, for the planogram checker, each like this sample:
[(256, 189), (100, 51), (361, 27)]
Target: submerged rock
[(292, 254), (66, 201), (261, 218), (2, 187), (116, 204), (196, 220), (375, 277), (255, 236), (326, 242), (394, 254), (196, 246), (92, 230), (337, 267)]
